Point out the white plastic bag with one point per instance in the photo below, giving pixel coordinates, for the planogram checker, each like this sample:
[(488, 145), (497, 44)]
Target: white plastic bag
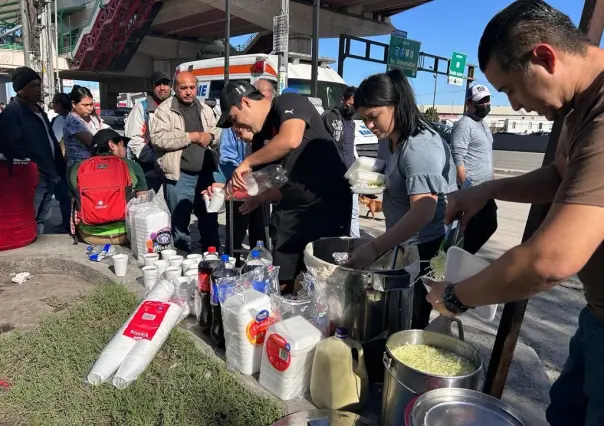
[(246, 316), (118, 347), (287, 357), (148, 225)]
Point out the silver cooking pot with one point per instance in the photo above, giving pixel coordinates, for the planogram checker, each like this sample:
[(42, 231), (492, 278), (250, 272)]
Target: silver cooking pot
[(371, 304)]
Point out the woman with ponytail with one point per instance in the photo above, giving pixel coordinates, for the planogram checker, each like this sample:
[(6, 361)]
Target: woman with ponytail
[(419, 174)]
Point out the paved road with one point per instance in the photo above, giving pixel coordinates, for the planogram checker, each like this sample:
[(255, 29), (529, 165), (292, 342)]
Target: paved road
[(516, 161)]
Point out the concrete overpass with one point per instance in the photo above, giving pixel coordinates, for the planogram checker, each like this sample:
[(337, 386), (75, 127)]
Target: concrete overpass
[(121, 43)]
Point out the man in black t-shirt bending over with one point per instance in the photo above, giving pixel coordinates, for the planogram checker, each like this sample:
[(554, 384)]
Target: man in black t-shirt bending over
[(317, 201)]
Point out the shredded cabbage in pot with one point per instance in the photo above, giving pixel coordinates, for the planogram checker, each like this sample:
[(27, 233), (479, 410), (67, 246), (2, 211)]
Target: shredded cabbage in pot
[(431, 360)]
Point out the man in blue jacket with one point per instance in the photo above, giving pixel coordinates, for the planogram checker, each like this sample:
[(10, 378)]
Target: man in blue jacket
[(25, 124)]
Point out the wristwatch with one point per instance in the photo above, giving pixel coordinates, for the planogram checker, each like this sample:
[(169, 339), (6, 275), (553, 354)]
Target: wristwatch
[(212, 138), (451, 302)]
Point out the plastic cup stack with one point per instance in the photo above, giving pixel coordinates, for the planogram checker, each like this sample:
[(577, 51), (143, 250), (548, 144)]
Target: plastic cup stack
[(173, 272), (150, 258), (189, 264), (168, 253), (161, 266), (150, 275), (120, 264)]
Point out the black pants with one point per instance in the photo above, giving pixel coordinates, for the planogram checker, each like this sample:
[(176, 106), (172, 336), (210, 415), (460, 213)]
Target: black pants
[(481, 227), (421, 307), (254, 222)]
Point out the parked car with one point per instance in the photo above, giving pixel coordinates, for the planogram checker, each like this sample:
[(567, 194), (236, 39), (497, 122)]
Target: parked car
[(443, 130), (115, 117)]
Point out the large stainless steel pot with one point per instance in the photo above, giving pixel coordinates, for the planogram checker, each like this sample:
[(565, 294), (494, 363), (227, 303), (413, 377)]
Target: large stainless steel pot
[(371, 304), (403, 384)]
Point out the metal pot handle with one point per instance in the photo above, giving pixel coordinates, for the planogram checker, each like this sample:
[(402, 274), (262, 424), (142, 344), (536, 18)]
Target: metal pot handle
[(387, 364)]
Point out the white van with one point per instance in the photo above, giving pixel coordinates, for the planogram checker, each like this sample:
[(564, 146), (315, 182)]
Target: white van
[(250, 68)]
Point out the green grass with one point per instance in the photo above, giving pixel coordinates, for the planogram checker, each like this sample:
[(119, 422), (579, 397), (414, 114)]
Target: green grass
[(47, 369)]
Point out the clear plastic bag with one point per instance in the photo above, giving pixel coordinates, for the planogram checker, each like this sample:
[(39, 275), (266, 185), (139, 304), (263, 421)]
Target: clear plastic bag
[(270, 177), (246, 315), (148, 225)]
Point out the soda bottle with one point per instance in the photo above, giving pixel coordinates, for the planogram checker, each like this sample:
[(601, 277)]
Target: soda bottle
[(223, 270), (264, 254), (203, 310)]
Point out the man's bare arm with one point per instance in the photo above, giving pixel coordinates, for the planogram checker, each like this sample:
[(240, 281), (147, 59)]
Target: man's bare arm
[(559, 249)]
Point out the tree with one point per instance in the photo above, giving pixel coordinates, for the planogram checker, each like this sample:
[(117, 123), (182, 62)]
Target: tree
[(431, 115)]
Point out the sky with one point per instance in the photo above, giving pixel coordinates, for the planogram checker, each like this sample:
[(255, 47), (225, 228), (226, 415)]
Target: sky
[(442, 26)]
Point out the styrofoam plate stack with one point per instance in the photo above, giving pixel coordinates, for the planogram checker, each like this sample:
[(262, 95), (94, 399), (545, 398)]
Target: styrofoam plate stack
[(287, 357), (245, 318), (147, 223)]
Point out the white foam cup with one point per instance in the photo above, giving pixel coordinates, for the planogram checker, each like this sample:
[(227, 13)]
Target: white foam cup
[(167, 253), (150, 258), (150, 275), (120, 264)]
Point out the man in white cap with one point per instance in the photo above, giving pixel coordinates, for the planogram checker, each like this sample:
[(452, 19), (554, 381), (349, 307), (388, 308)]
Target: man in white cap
[(472, 149)]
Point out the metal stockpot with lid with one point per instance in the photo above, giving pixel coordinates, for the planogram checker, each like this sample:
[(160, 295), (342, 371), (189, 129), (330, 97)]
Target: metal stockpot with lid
[(462, 407), (403, 384)]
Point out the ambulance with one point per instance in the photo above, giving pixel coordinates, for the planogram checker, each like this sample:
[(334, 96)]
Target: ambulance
[(251, 68)]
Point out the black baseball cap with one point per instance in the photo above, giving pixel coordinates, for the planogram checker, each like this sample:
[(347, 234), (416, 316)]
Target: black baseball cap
[(158, 76), (103, 137), (230, 96)]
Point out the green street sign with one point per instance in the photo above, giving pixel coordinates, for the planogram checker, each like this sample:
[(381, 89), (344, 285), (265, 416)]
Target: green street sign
[(457, 69), (404, 53)]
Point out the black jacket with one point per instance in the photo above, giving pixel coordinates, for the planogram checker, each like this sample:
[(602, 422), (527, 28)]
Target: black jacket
[(334, 123), (25, 133)]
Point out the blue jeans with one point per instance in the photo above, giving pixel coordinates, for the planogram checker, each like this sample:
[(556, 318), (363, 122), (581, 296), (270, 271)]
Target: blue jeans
[(183, 198), (577, 397), (355, 230), (43, 202)]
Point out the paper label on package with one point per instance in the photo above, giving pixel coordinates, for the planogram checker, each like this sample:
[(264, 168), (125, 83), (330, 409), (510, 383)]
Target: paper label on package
[(277, 350), (146, 320), (256, 329)]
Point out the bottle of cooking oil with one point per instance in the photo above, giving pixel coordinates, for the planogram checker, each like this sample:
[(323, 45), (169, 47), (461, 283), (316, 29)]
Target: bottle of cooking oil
[(339, 377)]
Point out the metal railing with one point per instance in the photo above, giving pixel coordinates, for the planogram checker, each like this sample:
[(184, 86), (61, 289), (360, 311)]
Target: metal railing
[(243, 47), (11, 46), (74, 37)]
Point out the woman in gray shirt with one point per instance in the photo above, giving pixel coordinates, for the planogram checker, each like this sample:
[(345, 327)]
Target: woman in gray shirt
[(420, 172)]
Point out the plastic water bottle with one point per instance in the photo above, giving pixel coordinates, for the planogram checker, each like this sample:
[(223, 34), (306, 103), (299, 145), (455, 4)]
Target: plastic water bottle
[(223, 270), (203, 310), (265, 255), (258, 265)]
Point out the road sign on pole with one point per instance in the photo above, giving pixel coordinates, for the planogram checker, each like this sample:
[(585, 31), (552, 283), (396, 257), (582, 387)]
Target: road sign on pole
[(403, 53), (280, 33), (457, 69)]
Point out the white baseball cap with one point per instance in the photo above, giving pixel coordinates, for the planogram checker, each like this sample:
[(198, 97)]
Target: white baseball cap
[(477, 92)]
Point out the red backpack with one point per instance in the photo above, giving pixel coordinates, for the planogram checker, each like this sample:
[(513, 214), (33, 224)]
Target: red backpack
[(103, 189)]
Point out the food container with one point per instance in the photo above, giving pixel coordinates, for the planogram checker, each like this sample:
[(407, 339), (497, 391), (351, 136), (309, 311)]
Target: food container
[(403, 384), (245, 318), (461, 407), (368, 178), (289, 350), (367, 164)]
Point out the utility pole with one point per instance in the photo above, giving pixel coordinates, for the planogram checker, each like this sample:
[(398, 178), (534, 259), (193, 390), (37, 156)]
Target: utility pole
[(25, 33), (227, 41), (314, 73), (283, 52)]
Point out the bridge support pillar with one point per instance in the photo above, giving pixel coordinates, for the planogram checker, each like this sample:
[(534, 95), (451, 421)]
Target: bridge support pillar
[(108, 99)]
